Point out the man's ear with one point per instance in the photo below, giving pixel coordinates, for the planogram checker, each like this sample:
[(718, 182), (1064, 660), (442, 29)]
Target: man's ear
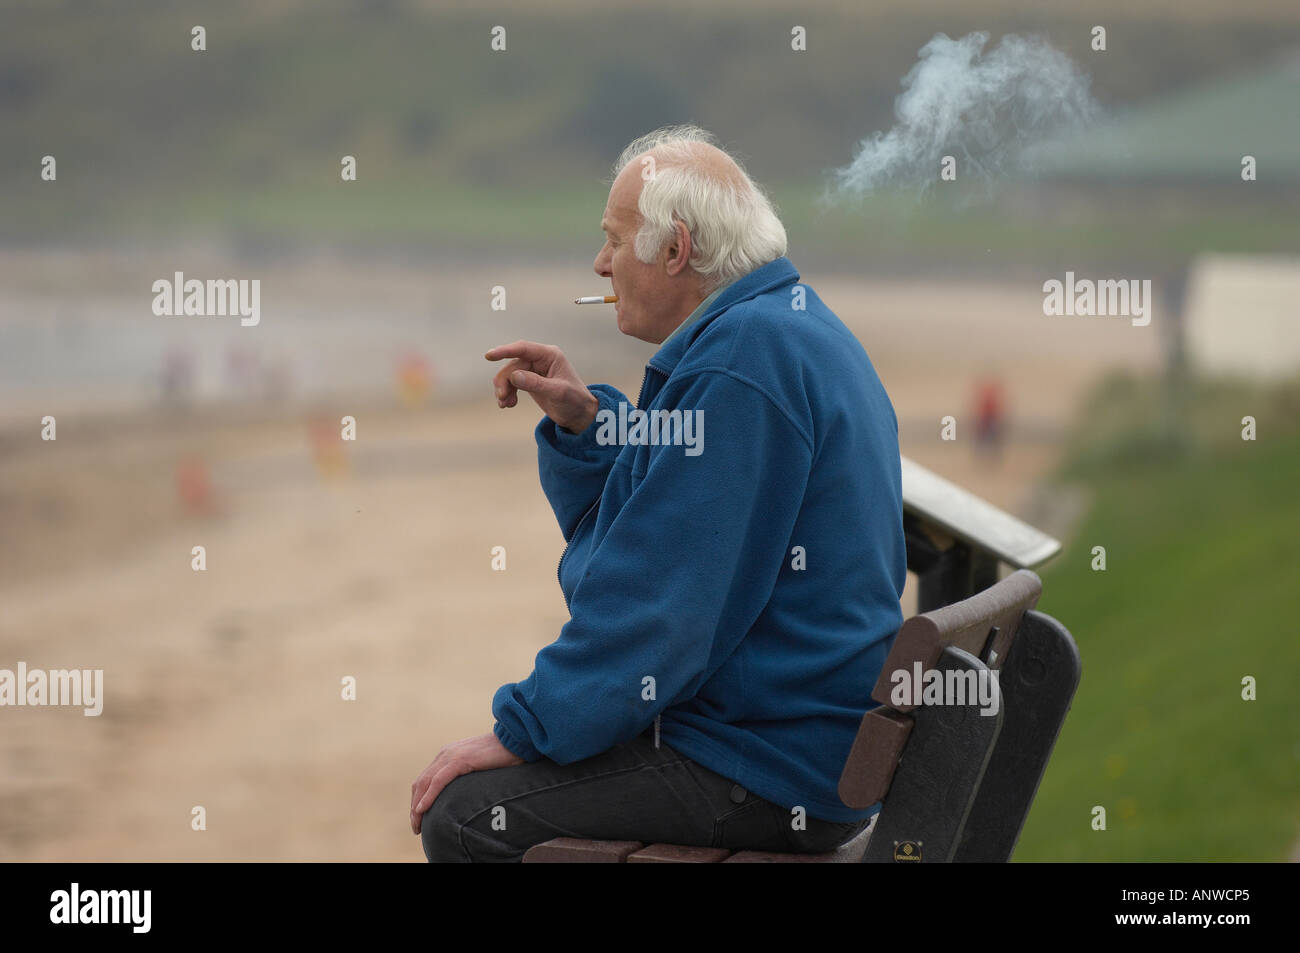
[(678, 249)]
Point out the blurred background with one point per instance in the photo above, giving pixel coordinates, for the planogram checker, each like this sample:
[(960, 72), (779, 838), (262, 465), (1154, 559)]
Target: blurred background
[(476, 169)]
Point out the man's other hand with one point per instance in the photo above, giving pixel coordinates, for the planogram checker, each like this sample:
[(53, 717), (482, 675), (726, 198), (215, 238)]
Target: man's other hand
[(546, 375), (473, 754)]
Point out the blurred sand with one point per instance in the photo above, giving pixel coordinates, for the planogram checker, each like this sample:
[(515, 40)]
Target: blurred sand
[(223, 687)]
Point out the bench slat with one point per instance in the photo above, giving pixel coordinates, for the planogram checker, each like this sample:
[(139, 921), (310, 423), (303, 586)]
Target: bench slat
[(768, 857), (869, 770), (967, 625), (575, 850), (676, 854)]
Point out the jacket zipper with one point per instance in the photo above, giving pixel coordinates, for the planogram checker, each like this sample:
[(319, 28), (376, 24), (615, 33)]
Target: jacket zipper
[(559, 567)]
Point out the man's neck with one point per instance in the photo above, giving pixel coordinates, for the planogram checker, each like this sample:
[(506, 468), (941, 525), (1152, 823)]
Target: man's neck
[(694, 305)]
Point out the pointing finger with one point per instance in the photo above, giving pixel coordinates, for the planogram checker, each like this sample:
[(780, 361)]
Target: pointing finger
[(529, 350)]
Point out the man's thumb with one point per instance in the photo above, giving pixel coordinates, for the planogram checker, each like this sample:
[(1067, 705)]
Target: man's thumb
[(528, 381)]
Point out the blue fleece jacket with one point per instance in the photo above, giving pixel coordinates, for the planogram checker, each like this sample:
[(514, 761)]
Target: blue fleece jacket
[(741, 580)]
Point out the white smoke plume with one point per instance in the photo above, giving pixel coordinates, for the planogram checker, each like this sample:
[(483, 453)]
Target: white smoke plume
[(986, 109)]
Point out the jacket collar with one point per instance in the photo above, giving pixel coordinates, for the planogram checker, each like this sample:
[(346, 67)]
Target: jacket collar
[(762, 279)]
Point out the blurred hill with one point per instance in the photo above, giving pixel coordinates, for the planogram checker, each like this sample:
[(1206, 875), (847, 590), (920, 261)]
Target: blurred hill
[(457, 143), (1251, 113)]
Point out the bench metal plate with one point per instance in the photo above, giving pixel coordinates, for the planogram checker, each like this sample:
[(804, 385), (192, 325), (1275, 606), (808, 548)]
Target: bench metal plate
[(974, 521)]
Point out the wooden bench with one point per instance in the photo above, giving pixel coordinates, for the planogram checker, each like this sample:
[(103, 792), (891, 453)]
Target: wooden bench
[(954, 784)]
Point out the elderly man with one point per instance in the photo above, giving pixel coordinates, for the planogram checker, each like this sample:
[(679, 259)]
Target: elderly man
[(732, 599)]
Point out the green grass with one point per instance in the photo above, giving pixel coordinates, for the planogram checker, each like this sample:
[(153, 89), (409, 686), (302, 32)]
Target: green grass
[(1202, 538)]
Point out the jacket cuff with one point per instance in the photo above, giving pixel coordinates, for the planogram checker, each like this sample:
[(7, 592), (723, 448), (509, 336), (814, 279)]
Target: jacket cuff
[(582, 446), (520, 749)]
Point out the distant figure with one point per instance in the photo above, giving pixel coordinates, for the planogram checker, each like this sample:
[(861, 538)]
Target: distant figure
[(277, 381), (989, 418), (177, 376), (243, 369)]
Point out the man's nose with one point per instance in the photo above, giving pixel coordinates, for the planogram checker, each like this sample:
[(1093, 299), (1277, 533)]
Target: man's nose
[(601, 265)]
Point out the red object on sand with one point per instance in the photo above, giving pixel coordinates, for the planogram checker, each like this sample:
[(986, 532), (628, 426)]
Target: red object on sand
[(989, 401), (194, 487)]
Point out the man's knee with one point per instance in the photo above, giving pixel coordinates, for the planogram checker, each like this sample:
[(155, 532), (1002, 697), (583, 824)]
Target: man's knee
[(441, 826)]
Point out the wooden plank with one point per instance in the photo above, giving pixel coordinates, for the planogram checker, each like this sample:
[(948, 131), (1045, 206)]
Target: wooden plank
[(869, 769), (767, 857), (676, 854), (988, 619), (574, 850)]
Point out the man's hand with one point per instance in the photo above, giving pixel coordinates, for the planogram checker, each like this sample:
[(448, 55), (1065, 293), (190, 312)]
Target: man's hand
[(473, 754), (546, 375)]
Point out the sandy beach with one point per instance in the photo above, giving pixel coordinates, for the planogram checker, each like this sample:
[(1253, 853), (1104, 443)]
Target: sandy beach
[(223, 687)]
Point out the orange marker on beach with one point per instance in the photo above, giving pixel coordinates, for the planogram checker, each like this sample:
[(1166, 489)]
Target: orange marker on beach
[(327, 446), (596, 299)]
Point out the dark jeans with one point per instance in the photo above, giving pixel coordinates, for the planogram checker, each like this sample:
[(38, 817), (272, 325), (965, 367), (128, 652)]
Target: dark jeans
[(631, 792)]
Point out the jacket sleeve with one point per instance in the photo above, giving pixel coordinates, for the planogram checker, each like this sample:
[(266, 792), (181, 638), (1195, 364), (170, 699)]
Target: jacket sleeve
[(675, 582), (573, 467)]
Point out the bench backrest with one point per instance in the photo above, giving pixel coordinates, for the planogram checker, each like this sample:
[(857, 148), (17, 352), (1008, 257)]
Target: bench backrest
[(944, 773), (1038, 679)]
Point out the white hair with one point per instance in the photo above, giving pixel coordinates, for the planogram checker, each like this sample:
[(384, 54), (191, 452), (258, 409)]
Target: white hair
[(734, 228)]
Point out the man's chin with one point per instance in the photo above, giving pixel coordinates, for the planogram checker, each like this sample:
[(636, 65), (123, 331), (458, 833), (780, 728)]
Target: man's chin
[(634, 332)]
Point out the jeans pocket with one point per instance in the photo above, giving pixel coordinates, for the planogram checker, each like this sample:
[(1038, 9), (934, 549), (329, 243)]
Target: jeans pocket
[(750, 826)]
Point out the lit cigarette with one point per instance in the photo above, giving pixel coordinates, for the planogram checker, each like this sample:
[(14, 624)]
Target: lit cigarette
[(596, 299)]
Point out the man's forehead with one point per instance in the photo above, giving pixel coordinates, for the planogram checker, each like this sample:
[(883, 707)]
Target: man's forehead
[(623, 194), (615, 215)]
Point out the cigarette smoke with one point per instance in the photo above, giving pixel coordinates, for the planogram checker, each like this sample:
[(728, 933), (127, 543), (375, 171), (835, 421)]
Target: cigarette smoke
[(987, 110)]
